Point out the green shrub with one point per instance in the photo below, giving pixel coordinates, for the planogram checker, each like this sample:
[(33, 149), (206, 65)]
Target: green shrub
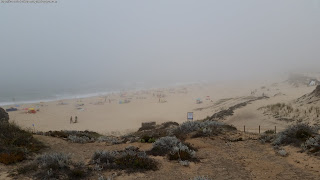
[(16, 144), (312, 145), (54, 166), (75, 136), (174, 148), (202, 128), (147, 139), (134, 161), (130, 159), (295, 134)]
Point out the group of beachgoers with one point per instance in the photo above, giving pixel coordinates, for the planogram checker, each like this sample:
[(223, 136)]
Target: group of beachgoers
[(75, 119)]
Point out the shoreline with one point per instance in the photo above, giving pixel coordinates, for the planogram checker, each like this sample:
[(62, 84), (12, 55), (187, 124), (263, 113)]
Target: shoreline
[(125, 111), (96, 94)]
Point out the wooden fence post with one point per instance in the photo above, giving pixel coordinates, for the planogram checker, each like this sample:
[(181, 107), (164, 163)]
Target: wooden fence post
[(259, 129), (244, 128)]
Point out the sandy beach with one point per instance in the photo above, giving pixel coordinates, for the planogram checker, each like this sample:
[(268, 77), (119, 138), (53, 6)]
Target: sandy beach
[(112, 115)]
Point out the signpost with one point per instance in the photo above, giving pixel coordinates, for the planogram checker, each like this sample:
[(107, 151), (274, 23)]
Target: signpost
[(190, 115)]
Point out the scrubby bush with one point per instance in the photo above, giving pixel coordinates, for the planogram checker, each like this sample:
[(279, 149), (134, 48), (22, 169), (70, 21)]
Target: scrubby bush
[(16, 144), (4, 117), (312, 144), (168, 124), (266, 138), (181, 152), (130, 159), (75, 136), (79, 139), (164, 145), (104, 158), (147, 139), (54, 166), (184, 163), (174, 148), (109, 139), (202, 128), (282, 152), (295, 134)]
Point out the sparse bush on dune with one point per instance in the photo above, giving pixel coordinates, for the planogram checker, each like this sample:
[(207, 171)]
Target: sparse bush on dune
[(74, 136), (267, 137), (16, 144), (4, 116), (164, 145), (295, 134), (54, 166), (282, 152), (79, 139), (184, 163), (168, 124), (202, 128), (147, 139), (181, 152), (174, 148), (130, 159), (53, 161), (104, 158), (147, 135), (312, 145), (110, 139), (197, 128)]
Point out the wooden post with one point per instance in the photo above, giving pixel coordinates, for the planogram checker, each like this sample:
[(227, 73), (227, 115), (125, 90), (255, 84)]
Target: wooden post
[(244, 128), (275, 129), (259, 129)]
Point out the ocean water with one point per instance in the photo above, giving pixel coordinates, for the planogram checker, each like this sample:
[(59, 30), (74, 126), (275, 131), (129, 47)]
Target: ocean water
[(34, 93), (26, 96)]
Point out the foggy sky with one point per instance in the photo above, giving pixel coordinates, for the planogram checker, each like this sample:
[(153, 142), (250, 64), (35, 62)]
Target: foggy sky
[(167, 41)]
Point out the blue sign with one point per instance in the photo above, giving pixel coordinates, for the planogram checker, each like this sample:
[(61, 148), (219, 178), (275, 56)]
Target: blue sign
[(190, 116)]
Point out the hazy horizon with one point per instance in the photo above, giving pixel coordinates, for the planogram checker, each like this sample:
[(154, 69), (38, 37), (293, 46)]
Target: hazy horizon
[(90, 46)]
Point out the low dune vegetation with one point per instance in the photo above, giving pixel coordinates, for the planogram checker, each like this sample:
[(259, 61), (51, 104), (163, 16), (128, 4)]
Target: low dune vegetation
[(74, 136), (299, 135), (201, 129), (291, 113), (303, 109), (16, 144), (129, 159), (54, 166)]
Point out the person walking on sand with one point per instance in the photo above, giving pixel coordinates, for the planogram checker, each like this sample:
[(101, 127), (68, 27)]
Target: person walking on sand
[(71, 120), (76, 119)]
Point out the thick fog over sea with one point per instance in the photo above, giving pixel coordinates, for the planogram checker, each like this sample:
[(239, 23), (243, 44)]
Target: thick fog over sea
[(80, 48)]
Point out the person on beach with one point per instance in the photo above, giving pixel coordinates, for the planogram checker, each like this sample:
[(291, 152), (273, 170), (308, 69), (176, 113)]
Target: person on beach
[(71, 120), (76, 119)]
